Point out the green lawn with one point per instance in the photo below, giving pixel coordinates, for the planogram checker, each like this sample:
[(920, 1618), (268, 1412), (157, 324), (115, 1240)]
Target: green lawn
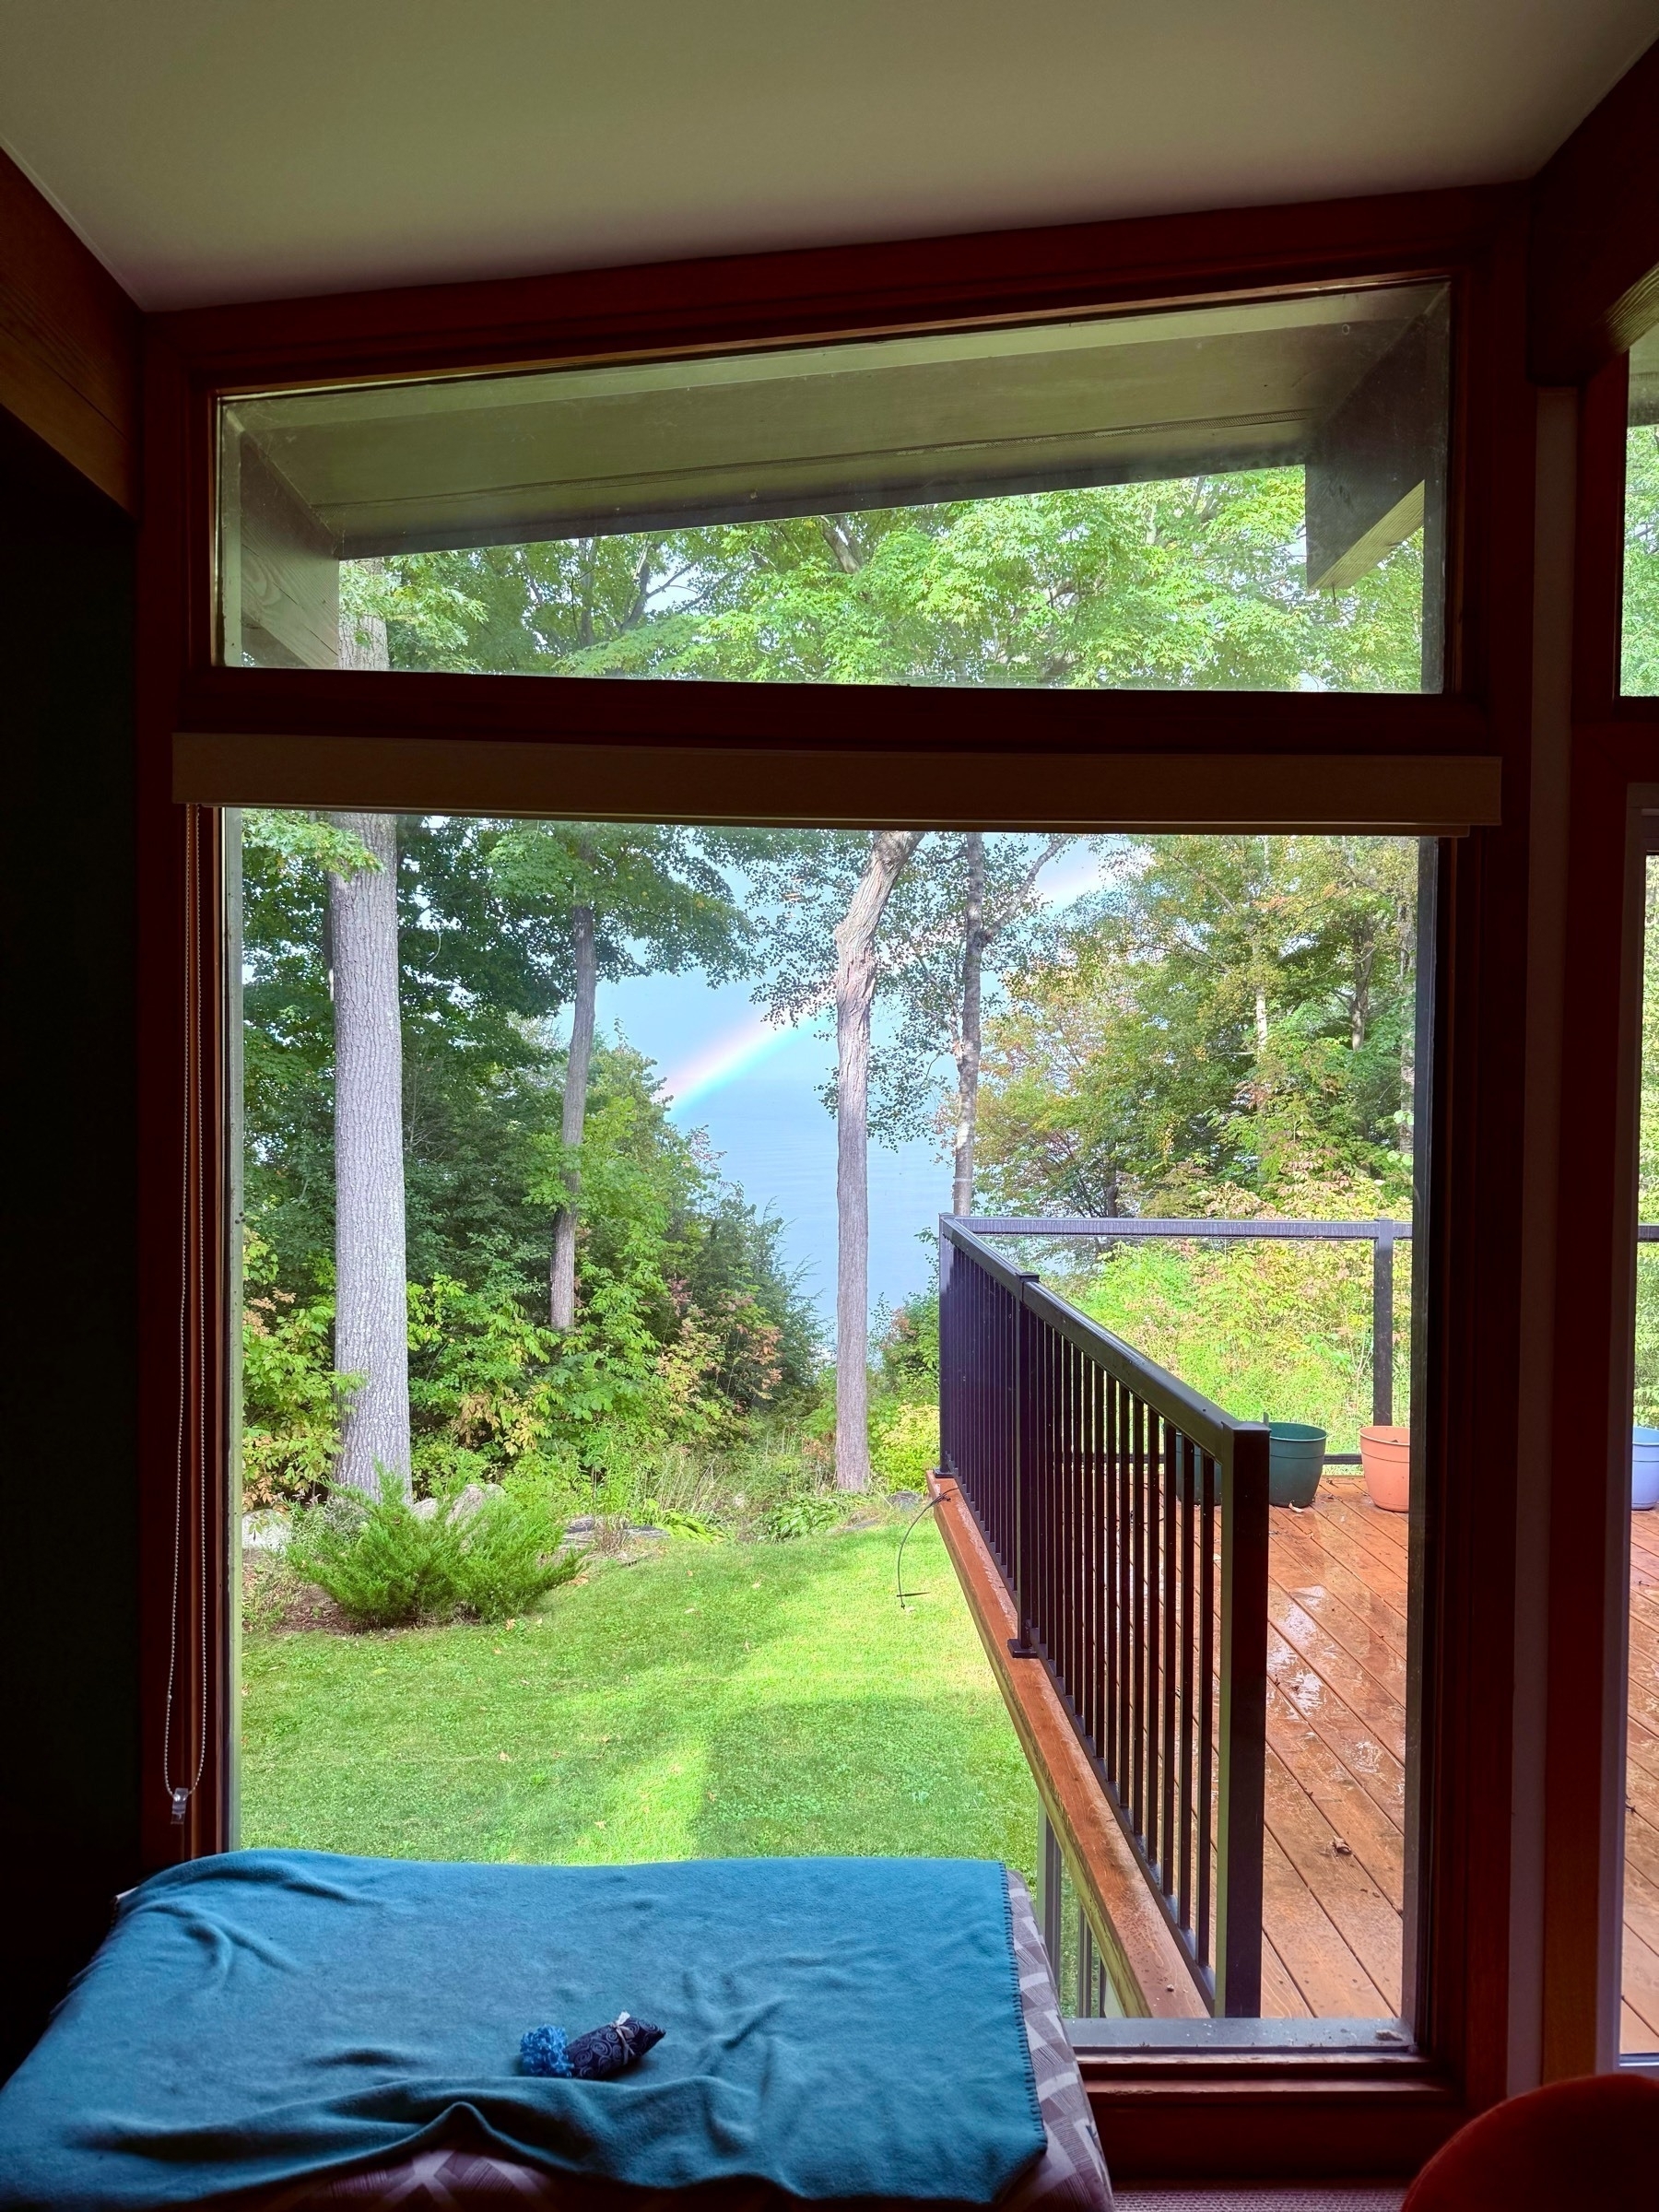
[(719, 1700)]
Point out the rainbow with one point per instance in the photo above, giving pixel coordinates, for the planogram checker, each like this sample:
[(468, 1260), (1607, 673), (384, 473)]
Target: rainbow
[(738, 1052)]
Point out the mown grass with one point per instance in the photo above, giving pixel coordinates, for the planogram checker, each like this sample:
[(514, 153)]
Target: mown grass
[(719, 1700)]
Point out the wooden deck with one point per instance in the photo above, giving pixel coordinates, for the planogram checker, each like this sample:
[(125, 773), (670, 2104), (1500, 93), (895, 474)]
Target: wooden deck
[(1334, 1866), (1334, 1859)]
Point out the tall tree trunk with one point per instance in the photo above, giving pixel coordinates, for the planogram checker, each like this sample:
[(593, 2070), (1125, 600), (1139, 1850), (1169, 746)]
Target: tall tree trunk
[(372, 1319), (854, 997), (971, 1036), (562, 1278)]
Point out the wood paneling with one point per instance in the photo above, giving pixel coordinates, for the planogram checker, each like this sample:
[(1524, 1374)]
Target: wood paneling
[(1593, 273), (280, 569), (68, 343)]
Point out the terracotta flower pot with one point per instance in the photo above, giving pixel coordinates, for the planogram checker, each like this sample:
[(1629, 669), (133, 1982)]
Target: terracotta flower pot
[(1385, 1462)]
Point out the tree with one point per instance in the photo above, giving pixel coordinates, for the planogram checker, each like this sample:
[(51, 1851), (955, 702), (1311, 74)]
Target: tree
[(820, 893), (854, 998), (968, 911), (371, 1322), (636, 901), (1227, 1013), (1640, 659), (1197, 583)]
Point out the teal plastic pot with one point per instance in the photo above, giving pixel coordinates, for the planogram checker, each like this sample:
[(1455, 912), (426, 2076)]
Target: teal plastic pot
[(1295, 1462)]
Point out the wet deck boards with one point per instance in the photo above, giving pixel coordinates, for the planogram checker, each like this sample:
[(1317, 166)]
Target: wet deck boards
[(1335, 1864)]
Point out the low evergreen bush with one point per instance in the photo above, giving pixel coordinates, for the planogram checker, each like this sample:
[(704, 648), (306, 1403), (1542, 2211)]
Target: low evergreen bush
[(509, 1554), (386, 1566), (381, 1563)]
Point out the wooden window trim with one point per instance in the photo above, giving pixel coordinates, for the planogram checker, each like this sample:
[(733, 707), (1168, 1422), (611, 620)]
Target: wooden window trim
[(1614, 786), (1276, 2113)]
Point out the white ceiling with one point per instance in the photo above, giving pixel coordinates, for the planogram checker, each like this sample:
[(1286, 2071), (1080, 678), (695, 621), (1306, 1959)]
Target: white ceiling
[(232, 149)]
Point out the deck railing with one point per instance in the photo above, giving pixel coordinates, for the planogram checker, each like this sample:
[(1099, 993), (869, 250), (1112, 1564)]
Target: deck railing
[(1383, 1236), (1128, 1517)]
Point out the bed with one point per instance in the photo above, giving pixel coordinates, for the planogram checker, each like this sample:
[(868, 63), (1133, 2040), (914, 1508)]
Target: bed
[(882, 2033)]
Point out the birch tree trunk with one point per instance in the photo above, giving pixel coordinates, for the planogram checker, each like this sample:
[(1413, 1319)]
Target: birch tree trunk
[(371, 1325), (854, 997), (970, 1038), (561, 1279)]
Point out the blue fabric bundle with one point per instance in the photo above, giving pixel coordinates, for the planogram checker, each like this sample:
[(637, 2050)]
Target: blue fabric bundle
[(600, 2056), (838, 2027)]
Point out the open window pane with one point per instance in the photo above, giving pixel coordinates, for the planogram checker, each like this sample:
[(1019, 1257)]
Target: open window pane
[(1244, 496), (554, 1242)]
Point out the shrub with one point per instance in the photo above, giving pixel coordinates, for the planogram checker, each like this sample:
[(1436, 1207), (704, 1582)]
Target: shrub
[(291, 1398), (905, 1442), (807, 1513), (509, 1554), (385, 1565), (381, 1563)]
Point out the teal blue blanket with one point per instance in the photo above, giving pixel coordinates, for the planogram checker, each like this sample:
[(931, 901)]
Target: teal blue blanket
[(840, 2027)]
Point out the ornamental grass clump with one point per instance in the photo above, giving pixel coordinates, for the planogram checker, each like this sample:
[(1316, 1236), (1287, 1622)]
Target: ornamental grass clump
[(387, 1565)]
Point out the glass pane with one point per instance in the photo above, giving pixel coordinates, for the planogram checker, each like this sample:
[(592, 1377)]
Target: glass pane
[(1235, 497), (1642, 523), (574, 1230)]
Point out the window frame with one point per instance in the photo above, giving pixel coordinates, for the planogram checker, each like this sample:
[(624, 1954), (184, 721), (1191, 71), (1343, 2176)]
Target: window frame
[(1614, 817), (1366, 2113)]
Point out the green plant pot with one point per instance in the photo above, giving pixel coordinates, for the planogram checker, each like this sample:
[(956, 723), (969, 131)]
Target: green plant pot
[(1295, 1462)]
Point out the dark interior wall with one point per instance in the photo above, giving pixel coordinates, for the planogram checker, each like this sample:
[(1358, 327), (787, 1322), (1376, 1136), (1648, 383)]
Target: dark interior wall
[(68, 1507)]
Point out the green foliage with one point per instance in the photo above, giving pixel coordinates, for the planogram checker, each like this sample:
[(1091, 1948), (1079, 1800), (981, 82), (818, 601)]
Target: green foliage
[(1183, 585), (1234, 1012), (290, 1398), (1281, 1329), (509, 1556), (386, 1566), (803, 1513), (690, 1321), (904, 1442), (660, 904), (904, 1397), (1640, 673)]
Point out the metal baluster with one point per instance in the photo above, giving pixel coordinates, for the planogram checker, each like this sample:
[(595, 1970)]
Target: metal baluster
[(1189, 1478), (1154, 1622), (1113, 1752), (1138, 1629), (1202, 1945), (1171, 1605)]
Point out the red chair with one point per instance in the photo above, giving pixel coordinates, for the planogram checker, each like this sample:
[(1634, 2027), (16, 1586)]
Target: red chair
[(1590, 2145)]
